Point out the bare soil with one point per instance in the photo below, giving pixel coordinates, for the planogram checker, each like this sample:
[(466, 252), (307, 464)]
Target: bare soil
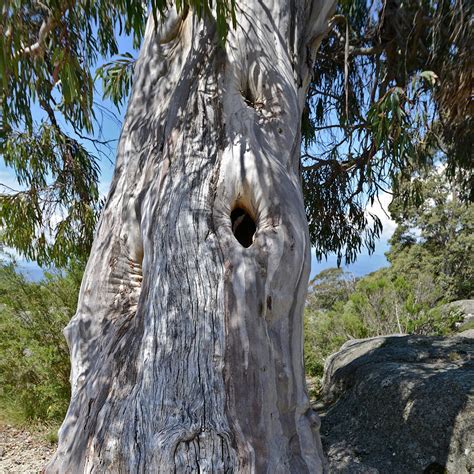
[(24, 451)]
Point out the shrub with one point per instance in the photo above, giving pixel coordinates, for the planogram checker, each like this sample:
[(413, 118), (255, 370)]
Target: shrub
[(384, 302), (34, 358)]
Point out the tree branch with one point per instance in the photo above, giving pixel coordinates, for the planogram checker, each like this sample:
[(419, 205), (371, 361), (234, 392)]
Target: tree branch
[(37, 48), (353, 51)]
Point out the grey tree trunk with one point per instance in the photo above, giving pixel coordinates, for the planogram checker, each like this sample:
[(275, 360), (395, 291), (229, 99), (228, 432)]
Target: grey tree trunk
[(187, 343)]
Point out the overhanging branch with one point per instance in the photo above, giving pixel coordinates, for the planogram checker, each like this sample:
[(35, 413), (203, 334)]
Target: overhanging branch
[(37, 48)]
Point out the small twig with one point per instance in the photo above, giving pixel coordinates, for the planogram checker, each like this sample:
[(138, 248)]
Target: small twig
[(346, 70), (9, 188), (94, 140)]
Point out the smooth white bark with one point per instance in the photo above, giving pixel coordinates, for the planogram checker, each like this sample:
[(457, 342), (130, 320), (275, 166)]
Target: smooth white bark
[(187, 346)]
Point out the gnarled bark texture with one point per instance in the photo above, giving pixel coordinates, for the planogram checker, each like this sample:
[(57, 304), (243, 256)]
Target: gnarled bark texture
[(187, 343)]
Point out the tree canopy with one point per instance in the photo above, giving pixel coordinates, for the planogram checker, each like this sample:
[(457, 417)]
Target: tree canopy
[(436, 237), (390, 95)]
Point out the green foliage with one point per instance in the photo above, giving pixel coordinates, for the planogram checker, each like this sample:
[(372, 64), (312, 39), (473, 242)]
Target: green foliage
[(435, 234), (431, 264), (48, 53), (34, 362), (117, 78), (391, 88), (70, 197), (324, 335)]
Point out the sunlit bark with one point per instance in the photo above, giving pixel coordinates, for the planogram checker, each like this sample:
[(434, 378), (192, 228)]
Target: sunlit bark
[(187, 343)]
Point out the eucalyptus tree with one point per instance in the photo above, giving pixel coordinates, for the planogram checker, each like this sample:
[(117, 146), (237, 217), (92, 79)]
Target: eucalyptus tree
[(186, 346), (187, 343)]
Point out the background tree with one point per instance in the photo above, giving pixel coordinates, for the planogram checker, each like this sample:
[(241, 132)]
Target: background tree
[(436, 231), (431, 264), (330, 286)]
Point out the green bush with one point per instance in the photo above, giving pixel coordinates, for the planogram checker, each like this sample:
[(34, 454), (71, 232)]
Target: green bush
[(34, 358), (381, 303)]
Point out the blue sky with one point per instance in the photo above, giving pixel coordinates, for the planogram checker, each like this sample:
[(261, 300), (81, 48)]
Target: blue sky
[(111, 125)]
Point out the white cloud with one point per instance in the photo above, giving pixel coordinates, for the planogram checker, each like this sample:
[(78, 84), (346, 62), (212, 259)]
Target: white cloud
[(380, 209)]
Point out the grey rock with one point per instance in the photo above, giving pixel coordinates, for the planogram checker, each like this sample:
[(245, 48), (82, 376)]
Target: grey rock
[(400, 404), (465, 308)]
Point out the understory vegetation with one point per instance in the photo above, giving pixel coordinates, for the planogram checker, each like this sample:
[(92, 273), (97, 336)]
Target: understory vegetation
[(34, 358)]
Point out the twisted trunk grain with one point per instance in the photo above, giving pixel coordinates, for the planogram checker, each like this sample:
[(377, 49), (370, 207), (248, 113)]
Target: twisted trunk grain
[(187, 346)]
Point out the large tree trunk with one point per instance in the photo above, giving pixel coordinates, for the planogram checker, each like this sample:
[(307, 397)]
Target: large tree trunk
[(187, 343)]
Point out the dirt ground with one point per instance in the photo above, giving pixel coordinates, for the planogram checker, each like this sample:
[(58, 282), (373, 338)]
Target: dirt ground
[(23, 451)]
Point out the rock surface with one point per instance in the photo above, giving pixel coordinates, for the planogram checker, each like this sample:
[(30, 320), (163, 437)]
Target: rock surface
[(23, 451), (466, 308), (400, 404)]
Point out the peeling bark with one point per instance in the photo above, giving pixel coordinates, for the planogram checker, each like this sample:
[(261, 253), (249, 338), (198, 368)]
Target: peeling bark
[(186, 346)]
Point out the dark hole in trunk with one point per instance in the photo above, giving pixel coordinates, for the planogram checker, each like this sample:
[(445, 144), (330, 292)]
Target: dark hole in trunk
[(243, 226)]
